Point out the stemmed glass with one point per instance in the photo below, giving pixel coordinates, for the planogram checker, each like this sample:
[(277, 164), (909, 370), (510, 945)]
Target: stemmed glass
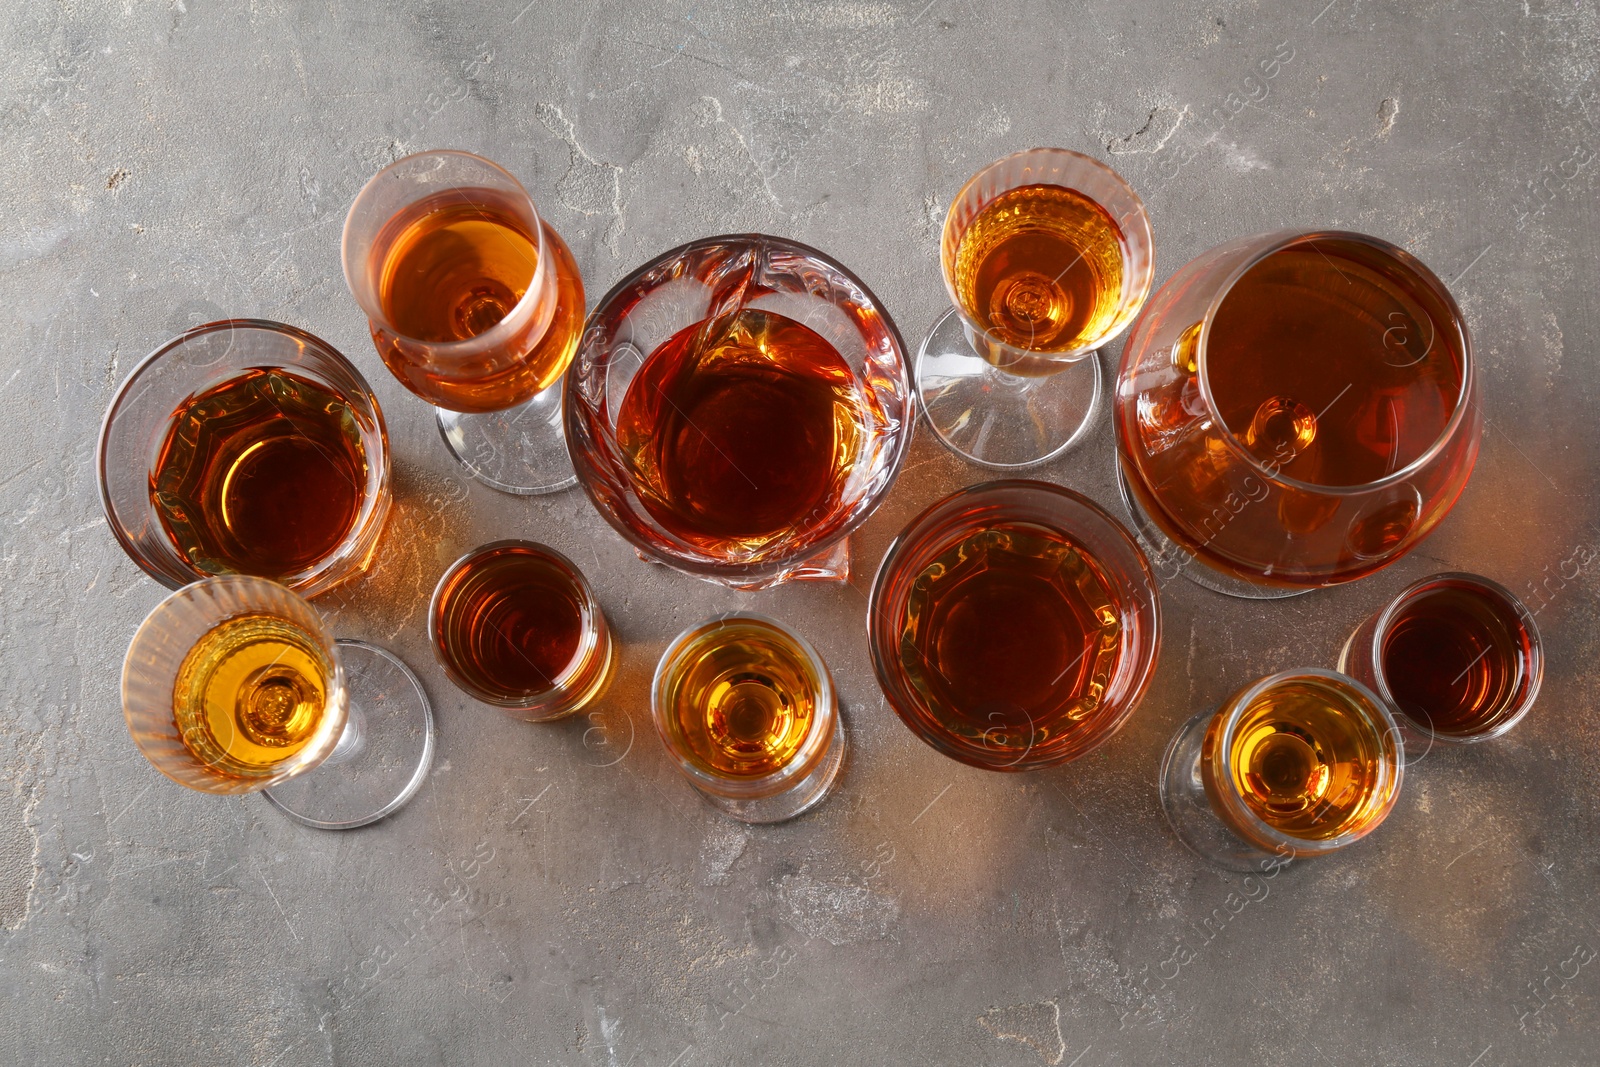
[(246, 446), (475, 304), (233, 685), (1294, 410), (1294, 765), (1047, 256)]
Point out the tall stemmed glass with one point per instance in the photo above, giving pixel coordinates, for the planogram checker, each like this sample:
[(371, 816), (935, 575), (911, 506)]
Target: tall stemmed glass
[(1047, 256), (1294, 410), (476, 305), (234, 685)]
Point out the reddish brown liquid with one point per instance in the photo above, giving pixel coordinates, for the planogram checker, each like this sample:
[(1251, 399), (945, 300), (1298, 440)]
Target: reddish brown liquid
[(511, 622), (741, 431), (452, 267), (1011, 635), (1455, 659), (264, 475)]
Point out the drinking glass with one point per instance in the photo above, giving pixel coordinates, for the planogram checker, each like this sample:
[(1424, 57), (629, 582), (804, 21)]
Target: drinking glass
[(475, 304), (747, 711), (1047, 256), (516, 625), (1294, 410), (141, 428), (337, 734), (1294, 765), (1456, 657), (728, 350), (1014, 625)]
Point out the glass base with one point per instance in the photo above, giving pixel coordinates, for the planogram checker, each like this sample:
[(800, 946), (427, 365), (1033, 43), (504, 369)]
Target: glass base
[(1168, 558), (1000, 420), (521, 450), (801, 797), (1189, 811), (383, 755)]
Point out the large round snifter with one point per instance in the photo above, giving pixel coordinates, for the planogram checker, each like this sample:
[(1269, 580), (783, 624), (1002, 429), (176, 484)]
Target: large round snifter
[(1047, 255), (475, 304), (246, 447), (1294, 765), (234, 685), (1014, 625), (737, 407), (1295, 410)]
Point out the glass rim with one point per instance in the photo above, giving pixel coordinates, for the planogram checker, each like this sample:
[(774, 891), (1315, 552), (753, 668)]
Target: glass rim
[(1391, 773), (1287, 238), (1533, 672), (1145, 592), (813, 748), (577, 413), (1137, 294), (500, 331), (590, 606), (310, 576)]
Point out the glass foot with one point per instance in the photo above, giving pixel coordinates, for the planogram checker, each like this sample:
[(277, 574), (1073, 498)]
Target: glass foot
[(521, 450), (383, 755), (801, 797), (1189, 812), (1169, 559), (1000, 420)]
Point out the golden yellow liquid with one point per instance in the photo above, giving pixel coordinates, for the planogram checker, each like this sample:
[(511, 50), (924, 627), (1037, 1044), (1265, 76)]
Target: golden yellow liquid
[(1307, 761), (741, 699), (1040, 268), (250, 694)]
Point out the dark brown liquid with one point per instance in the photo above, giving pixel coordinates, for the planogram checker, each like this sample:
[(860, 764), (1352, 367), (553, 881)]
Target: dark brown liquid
[(512, 622), (1456, 659), (741, 431), (263, 475), (1011, 636)]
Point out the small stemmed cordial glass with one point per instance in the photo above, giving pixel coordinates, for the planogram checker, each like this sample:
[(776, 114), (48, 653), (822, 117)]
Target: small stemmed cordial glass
[(234, 685), (1047, 256), (476, 305), (1294, 765)]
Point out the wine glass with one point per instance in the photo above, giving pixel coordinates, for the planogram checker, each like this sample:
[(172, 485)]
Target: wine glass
[(737, 407), (1047, 256), (1294, 765), (475, 304), (1294, 410), (246, 446), (233, 685)]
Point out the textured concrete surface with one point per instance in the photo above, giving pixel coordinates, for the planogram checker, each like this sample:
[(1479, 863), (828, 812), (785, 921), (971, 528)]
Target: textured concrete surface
[(555, 895)]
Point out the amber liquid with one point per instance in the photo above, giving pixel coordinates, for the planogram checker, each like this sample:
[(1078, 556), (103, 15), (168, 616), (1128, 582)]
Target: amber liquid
[(741, 700), (1455, 659), (513, 622), (250, 694), (264, 474), (1011, 636), (454, 266), (742, 432), (1040, 268), (1304, 761)]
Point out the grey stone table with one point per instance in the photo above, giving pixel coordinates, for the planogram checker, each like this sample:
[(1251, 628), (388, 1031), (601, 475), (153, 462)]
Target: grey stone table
[(555, 895)]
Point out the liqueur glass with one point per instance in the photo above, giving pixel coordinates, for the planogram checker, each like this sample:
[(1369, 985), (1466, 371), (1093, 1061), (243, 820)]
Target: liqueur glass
[(1294, 765), (340, 749), (516, 625), (759, 321), (748, 714), (1294, 410), (1456, 657), (1047, 256), (456, 235), (1014, 625), (141, 419)]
